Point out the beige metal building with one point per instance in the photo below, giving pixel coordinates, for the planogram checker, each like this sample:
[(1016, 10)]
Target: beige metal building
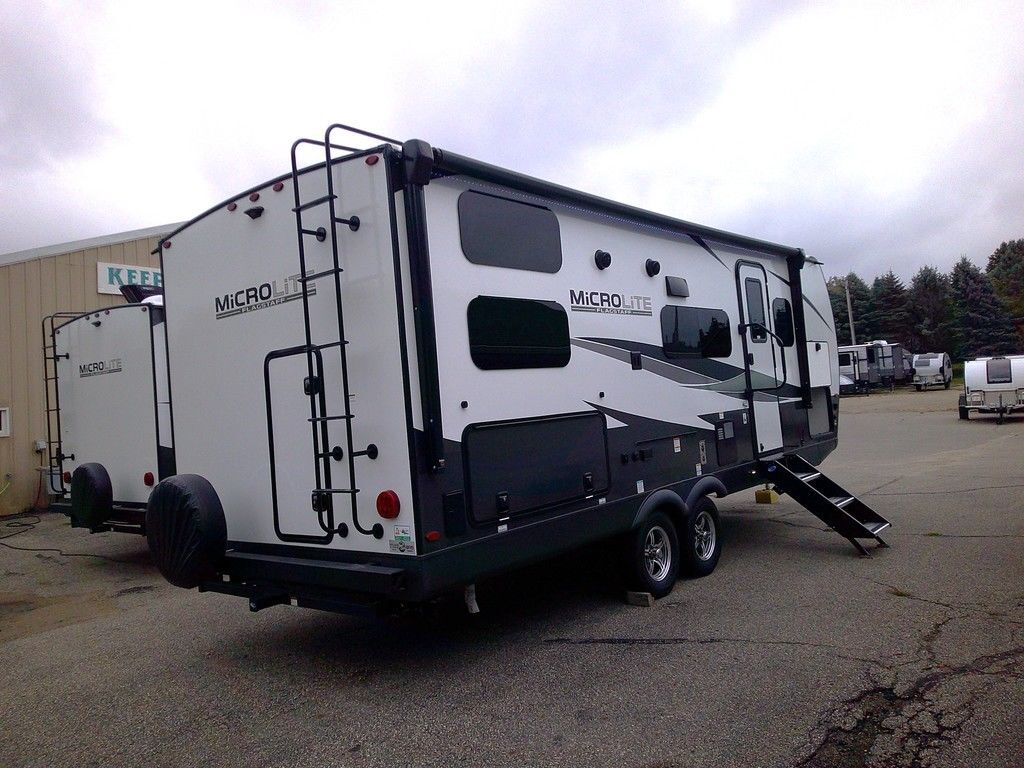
[(83, 275)]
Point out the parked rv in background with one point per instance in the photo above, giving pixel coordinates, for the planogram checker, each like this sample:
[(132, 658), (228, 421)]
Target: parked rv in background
[(932, 369), (881, 364), (893, 367), (438, 370), (853, 372), (105, 461), (993, 385)]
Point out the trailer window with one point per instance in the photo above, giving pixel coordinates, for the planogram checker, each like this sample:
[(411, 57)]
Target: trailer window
[(695, 332), (871, 354), (998, 370), (755, 309), (517, 333), (498, 232), (844, 359), (783, 314)]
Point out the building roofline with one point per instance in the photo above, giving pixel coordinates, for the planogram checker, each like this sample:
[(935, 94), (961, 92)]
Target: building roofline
[(30, 254)]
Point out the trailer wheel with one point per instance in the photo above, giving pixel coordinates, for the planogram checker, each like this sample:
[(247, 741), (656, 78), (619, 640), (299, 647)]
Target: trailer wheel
[(918, 387), (702, 543), (652, 555), (186, 529), (964, 413), (946, 384), (92, 497)]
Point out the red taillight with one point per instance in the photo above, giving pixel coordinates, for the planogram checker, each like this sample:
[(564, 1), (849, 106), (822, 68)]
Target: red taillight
[(167, 243), (372, 159), (388, 505), (148, 478), (279, 186), (67, 477), (232, 206), (433, 536), (254, 196)]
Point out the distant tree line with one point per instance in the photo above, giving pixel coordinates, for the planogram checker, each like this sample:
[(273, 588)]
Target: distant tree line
[(968, 313)]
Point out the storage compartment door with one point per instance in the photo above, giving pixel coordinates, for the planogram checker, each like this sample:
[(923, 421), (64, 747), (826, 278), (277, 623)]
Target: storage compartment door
[(515, 467)]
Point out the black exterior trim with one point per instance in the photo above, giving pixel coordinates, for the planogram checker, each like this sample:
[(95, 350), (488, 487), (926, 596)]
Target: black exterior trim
[(458, 164)]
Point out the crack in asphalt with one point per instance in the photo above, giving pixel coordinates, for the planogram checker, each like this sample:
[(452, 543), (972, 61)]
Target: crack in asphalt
[(881, 726), (652, 641)]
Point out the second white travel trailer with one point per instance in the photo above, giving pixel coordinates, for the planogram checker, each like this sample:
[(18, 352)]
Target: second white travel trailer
[(993, 385), (932, 369), (465, 370), (853, 371), (109, 415)]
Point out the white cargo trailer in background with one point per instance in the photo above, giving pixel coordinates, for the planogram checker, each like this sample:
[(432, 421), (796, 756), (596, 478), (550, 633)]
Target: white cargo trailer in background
[(854, 371), (401, 370), (109, 413), (993, 385), (932, 369)]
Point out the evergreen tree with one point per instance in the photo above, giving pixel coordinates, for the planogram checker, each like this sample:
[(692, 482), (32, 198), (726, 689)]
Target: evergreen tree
[(983, 326), (929, 305), (837, 298), (860, 297), (1006, 270), (887, 315)]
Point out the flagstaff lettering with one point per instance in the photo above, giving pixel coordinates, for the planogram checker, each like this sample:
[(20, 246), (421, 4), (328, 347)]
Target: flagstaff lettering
[(610, 303), (100, 367), (255, 297)]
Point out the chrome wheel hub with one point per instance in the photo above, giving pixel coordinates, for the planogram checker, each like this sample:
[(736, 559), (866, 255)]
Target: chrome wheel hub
[(657, 553), (704, 536)]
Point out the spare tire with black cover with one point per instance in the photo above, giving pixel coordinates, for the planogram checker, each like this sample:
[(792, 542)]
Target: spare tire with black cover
[(186, 530), (92, 497)]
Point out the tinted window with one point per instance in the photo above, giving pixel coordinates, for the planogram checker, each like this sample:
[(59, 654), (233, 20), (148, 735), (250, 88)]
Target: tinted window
[(998, 371), (871, 354), (506, 233), (844, 359), (517, 333), (783, 314), (695, 332), (755, 308)]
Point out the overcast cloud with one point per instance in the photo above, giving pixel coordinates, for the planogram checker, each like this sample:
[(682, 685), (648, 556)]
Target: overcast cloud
[(875, 136)]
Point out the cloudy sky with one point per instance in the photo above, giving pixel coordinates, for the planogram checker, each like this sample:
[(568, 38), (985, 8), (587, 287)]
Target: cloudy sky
[(875, 136)]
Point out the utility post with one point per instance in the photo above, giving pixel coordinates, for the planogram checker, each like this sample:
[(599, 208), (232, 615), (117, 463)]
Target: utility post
[(849, 310)]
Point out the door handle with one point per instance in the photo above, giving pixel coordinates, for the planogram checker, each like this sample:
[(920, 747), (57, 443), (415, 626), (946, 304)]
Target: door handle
[(750, 358)]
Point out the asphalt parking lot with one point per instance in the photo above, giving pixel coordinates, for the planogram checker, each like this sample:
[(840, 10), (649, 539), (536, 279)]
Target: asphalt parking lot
[(794, 652)]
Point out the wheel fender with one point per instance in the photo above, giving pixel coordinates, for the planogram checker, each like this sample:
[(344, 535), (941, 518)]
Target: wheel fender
[(663, 499), (703, 487)]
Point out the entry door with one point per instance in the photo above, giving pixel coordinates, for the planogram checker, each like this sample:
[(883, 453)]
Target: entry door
[(762, 358)]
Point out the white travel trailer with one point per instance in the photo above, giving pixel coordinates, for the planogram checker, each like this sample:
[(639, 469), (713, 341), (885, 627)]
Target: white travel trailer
[(932, 369), (853, 371), (993, 385), (401, 370), (108, 406)]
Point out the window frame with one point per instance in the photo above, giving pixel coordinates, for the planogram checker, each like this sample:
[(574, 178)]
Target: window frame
[(488, 356), (675, 309), (786, 332), (480, 245)]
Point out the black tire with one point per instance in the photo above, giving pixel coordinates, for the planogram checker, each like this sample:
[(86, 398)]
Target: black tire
[(701, 553), (946, 384), (964, 413), (918, 387), (644, 572), (186, 530), (92, 497)]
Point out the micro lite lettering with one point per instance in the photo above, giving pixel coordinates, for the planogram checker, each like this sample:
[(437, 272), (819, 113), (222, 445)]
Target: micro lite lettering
[(610, 303), (99, 367), (256, 297)]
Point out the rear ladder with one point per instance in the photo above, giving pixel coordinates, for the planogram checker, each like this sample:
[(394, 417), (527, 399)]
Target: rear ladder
[(322, 496), (54, 451), (826, 499)]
